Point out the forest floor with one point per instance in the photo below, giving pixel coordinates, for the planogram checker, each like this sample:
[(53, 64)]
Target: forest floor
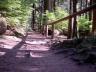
[(35, 55)]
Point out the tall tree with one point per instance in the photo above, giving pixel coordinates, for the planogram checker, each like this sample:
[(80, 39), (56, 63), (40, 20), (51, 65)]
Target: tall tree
[(75, 18), (70, 20), (33, 17), (90, 12), (94, 19)]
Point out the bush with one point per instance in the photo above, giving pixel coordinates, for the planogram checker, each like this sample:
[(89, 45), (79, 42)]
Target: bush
[(83, 23), (81, 50), (3, 25), (84, 26), (58, 14)]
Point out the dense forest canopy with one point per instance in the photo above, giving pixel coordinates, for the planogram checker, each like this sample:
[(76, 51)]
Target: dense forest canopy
[(19, 13), (16, 11)]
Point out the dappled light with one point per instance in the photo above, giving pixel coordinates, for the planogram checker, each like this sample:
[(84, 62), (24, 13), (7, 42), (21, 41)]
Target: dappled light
[(36, 57), (47, 35), (36, 42), (2, 53)]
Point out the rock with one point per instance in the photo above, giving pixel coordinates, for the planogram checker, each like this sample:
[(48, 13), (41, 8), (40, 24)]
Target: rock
[(65, 32), (14, 31), (9, 33), (3, 26), (17, 34), (56, 32)]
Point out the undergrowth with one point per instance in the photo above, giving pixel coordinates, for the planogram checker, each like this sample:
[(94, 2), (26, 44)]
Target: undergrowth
[(81, 50)]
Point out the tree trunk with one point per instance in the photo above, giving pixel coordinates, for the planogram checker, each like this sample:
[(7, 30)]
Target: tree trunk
[(70, 21), (74, 19), (90, 12), (46, 7), (94, 20), (86, 14), (33, 17)]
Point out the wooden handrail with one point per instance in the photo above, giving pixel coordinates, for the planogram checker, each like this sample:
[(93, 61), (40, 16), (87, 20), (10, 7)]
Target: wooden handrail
[(74, 14)]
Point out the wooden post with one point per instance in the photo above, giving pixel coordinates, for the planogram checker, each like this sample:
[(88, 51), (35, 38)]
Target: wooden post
[(52, 31), (94, 20), (46, 31)]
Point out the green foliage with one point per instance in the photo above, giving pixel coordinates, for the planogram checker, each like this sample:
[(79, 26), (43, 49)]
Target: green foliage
[(81, 50), (58, 14), (17, 11), (84, 24), (3, 5)]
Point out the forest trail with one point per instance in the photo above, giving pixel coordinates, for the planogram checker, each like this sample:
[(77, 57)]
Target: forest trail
[(35, 56)]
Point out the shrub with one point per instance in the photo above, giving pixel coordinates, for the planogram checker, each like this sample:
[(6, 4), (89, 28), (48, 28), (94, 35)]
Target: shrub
[(58, 14), (83, 23)]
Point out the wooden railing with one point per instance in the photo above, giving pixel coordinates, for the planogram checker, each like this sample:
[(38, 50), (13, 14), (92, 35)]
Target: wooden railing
[(68, 17)]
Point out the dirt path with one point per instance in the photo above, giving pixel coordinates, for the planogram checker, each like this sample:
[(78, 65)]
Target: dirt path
[(35, 56)]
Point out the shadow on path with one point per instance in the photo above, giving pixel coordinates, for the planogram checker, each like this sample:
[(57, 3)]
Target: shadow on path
[(37, 58)]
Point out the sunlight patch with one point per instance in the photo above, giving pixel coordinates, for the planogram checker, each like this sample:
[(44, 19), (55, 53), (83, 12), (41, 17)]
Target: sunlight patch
[(20, 55), (13, 38), (36, 42), (2, 53), (36, 55), (8, 47)]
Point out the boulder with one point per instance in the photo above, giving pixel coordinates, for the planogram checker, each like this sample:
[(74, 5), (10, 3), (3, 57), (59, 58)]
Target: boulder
[(9, 33), (65, 32), (3, 26), (56, 32)]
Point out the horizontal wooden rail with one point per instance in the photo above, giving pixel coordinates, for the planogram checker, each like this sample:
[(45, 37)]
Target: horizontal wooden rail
[(74, 14)]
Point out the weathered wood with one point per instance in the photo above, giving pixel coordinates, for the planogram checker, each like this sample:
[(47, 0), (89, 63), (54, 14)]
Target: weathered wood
[(46, 31), (74, 14), (52, 31)]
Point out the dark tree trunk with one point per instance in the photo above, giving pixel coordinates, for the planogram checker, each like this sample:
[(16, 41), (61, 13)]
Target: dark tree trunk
[(70, 21), (94, 20), (90, 12), (86, 14), (41, 15), (51, 5), (81, 5), (46, 7), (74, 19), (54, 5), (33, 17)]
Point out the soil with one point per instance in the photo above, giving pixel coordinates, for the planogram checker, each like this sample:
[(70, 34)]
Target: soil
[(35, 55)]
